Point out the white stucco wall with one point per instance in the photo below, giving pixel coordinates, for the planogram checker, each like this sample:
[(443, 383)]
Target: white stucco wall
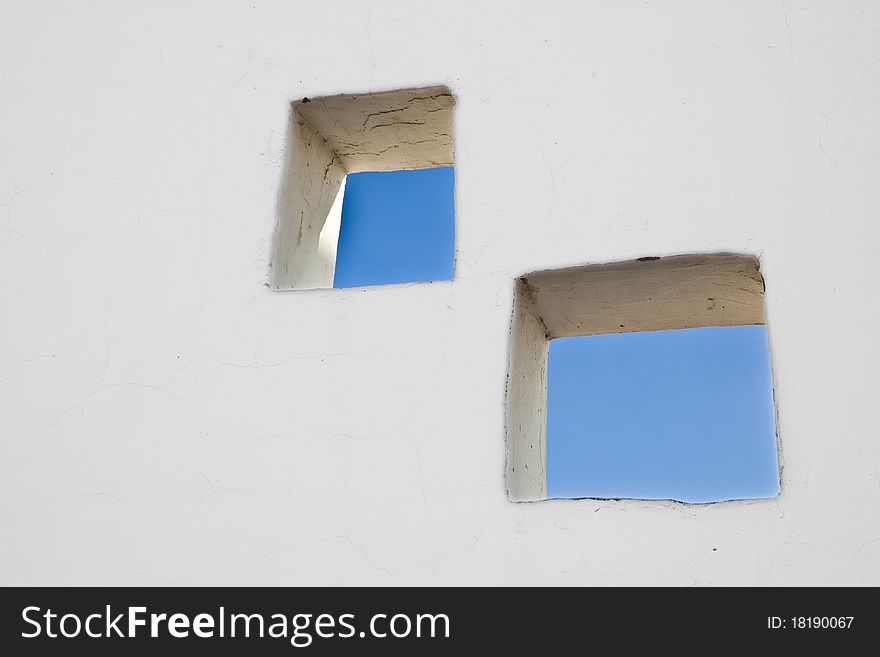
[(167, 418)]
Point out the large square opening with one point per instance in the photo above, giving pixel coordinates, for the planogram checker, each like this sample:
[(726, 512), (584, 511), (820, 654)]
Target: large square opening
[(645, 379)]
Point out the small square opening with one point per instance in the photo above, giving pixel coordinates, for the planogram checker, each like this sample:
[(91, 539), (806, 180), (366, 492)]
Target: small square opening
[(367, 193)]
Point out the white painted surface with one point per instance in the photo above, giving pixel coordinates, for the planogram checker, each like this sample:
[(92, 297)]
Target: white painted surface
[(166, 418)]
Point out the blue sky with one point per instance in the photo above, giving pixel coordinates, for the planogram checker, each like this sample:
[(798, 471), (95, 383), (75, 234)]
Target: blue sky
[(685, 415), (397, 227)]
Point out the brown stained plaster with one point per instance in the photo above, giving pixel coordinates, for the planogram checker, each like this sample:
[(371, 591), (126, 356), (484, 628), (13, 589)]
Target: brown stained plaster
[(358, 128), (686, 291)]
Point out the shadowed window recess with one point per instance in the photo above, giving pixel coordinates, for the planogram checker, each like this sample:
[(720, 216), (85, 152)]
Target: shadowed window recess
[(396, 227), (646, 379), (387, 158), (680, 414)]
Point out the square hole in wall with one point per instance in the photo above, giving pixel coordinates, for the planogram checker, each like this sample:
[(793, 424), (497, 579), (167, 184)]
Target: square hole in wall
[(367, 194), (645, 379)]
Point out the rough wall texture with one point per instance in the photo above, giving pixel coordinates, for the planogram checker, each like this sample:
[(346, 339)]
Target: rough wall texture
[(166, 418), (393, 130), (526, 401), (311, 181), (651, 294)]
